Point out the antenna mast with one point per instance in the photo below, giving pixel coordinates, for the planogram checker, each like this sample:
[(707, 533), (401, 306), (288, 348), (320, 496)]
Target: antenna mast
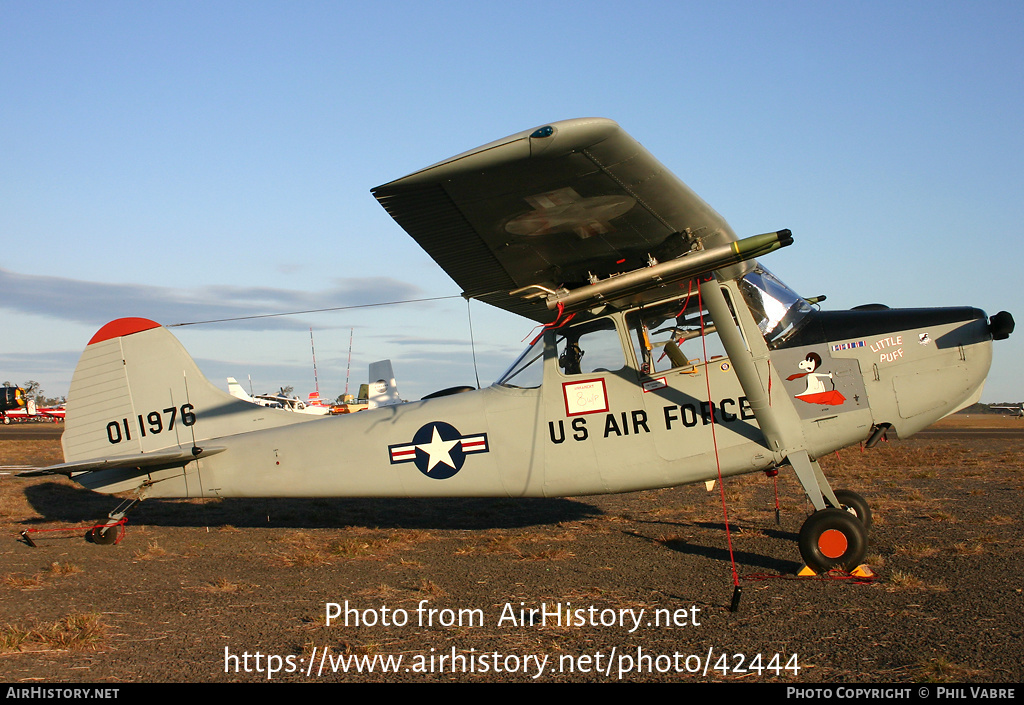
[(316, 382), (348, 368)]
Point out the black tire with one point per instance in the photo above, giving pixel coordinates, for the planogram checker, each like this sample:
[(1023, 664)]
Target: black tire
[(854, 504), (833, 538), (103, 536)]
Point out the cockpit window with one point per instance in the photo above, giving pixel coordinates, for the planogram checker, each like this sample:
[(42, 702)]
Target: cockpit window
[(778, 310), (593, 346), (673, 335)]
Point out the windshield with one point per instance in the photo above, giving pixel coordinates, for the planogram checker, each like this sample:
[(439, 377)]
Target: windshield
[(528, 369), (778, 310)]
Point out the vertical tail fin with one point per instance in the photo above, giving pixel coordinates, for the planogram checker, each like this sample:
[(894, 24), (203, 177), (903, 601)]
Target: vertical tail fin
[(136, 390), (383, 390), (236, 390)]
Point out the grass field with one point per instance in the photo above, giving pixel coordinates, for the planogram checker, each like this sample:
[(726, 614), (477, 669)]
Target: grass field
[(197, 583)]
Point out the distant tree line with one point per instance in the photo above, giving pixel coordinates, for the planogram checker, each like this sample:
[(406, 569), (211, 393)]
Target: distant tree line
[(988, 408)]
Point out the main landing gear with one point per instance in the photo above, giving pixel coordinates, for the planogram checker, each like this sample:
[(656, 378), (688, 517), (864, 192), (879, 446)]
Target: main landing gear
[(855, 505), (836, 534), (833, 538)]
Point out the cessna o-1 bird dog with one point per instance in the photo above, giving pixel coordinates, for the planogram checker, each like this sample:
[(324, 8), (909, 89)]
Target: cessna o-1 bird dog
[(575, 226)]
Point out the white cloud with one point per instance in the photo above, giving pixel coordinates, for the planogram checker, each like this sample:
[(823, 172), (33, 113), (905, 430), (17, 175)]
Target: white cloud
[(248, 307)]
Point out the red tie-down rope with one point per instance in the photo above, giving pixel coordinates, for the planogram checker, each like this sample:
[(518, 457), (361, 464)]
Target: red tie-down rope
[(737, 591), (118, 526)]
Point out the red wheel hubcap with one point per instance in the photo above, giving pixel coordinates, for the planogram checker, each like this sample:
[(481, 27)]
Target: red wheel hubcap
[(833, 543)]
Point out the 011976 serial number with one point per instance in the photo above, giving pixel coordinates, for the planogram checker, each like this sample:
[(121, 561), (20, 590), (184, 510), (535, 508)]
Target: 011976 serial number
[(152, 423)]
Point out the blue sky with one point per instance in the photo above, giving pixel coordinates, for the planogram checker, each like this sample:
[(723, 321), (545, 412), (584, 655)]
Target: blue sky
[(183, 161)]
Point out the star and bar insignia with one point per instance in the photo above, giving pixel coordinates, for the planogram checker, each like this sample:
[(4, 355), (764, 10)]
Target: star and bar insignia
[(438, 449)]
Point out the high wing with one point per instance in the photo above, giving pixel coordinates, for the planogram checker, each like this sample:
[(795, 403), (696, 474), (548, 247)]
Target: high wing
[(558, 207)]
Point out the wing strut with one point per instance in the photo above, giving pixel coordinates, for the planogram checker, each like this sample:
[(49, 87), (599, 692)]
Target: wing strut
[(779, 422)]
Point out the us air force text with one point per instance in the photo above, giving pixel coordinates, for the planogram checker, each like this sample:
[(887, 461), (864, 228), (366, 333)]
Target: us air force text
[(626, 423)]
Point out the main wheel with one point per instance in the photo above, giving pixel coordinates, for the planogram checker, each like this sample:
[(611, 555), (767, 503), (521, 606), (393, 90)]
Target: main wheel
[(856, 505), (833, 538), (104, 536)]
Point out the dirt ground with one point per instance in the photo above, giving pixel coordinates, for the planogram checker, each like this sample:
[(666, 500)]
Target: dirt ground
[(433, 591)]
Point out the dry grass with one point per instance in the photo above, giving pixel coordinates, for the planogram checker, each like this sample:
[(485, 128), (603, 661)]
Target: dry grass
[(77, 631), (917, 550), (901, 580), (302, 548), (17, 581), (22, 582), (223, 586), (429, 587), (522, 545), (962, 548), (35, 453), (153, 550), (942, 670), (382, 591), (914, 484), (58, 569)]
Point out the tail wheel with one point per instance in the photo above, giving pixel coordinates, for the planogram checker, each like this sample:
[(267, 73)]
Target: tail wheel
[(833, 538), (856, 505), (104, 536)]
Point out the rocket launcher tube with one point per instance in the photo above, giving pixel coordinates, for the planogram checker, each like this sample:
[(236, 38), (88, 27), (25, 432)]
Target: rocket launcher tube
[(690, 265)]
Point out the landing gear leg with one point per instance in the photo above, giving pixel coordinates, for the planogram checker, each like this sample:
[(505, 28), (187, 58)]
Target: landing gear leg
[(812, 479), (831, 537)]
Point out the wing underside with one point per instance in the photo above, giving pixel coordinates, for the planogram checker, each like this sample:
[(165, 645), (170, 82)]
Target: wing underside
[(563, 205)]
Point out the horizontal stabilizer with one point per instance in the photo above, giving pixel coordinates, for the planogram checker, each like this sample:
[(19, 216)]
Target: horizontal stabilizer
[(171, 457)]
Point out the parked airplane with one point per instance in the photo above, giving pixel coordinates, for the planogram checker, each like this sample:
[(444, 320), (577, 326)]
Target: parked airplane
[(577, 227), (1017, 411), (277, 401), (12, 399), (16, 406), (34, 413)]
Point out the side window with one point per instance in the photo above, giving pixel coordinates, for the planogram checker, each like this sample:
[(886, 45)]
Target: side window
[(668, 337), (590, 347)]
